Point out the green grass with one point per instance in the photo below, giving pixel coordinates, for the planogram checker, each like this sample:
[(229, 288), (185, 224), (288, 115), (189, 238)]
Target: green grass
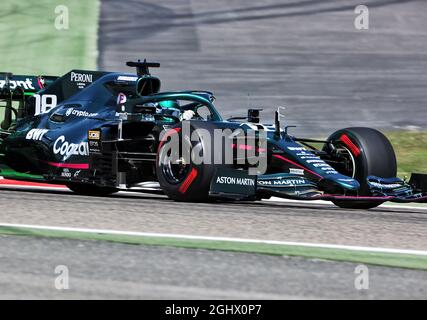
[(30, 43), (12, 174), (411, 151), (374, 258)]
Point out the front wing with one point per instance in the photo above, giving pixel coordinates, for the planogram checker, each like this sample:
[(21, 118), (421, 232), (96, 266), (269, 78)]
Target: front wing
[(237, 184)]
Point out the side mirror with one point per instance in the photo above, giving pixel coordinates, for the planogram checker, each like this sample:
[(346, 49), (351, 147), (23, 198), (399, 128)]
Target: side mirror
[(147, 85)]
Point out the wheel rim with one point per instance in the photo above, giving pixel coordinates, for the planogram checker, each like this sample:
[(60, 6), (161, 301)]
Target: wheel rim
[(175, 170), (350, 167)]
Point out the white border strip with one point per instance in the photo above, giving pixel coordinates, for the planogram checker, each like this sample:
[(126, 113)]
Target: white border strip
[(206, 238), (17, 187), (388, 205)]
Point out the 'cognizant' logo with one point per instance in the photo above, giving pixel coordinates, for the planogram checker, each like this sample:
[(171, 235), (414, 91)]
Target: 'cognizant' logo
[(27, 84), (66, 149)]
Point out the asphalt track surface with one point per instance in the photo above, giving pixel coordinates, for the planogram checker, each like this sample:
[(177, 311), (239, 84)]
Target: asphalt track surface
[(302, 54), (118, 271), (382, 227), (103, 270)]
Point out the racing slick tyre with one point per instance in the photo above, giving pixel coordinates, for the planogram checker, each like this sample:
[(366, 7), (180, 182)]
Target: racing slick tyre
[(179, 178), (91, 190), (369, 153)]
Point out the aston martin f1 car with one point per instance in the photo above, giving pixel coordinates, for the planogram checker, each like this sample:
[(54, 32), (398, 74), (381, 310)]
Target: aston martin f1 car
[(100, 132)]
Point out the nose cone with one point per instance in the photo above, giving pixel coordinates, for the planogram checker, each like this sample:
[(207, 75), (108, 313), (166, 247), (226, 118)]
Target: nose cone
[(341, 181), (347, 182)]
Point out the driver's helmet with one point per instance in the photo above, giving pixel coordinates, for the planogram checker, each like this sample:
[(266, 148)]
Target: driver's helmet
[(169, 107), (169, 104)]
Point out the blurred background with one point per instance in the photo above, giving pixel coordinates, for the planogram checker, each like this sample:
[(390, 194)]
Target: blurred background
[(306, 55)]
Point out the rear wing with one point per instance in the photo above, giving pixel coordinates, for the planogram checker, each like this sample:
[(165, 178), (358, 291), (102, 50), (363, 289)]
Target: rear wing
[(29, 95), (14, 92), (15, 87)]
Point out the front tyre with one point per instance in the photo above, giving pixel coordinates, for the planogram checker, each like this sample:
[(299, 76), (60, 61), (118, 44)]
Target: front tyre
[(369, 153), (180, 178)]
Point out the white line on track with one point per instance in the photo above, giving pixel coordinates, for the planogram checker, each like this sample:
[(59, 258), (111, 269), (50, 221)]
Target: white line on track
[(225, 239)]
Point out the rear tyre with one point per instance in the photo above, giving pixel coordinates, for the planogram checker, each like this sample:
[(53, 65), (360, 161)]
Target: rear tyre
[(91, 190), (370, 154)]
